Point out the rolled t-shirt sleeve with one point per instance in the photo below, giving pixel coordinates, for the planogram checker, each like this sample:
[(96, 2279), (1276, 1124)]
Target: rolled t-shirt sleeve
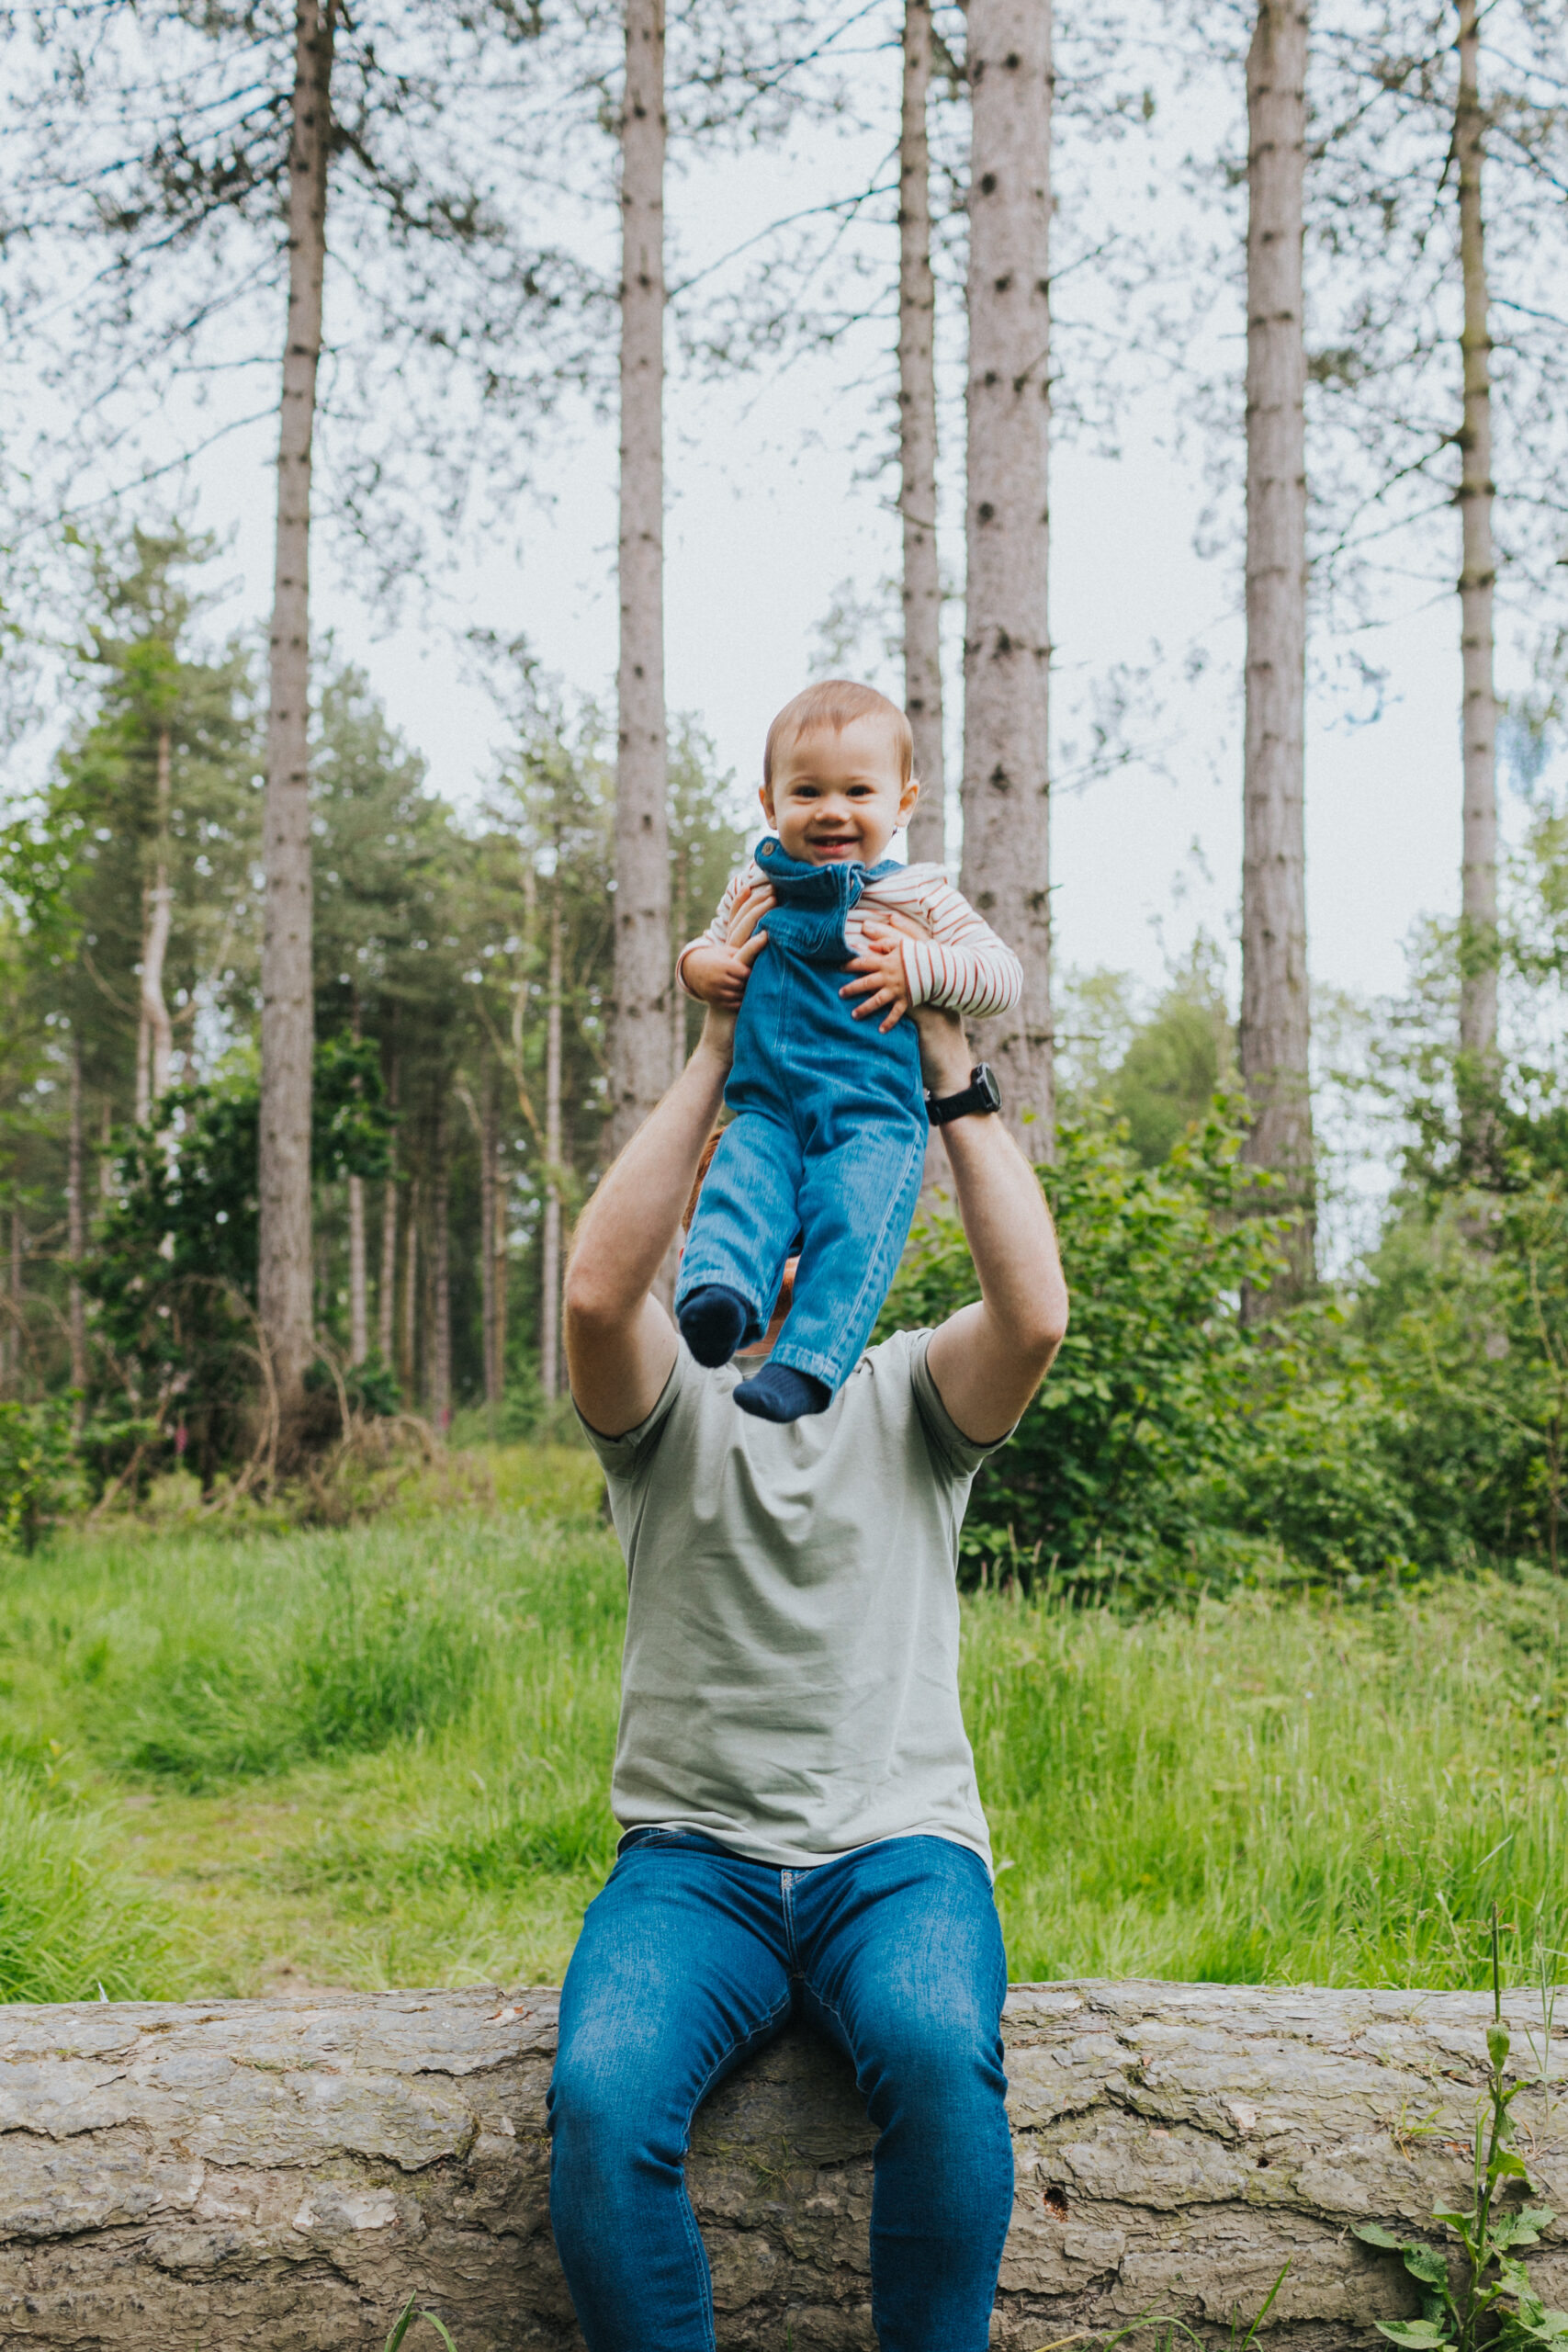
[(622, 1457), (954, 1452)]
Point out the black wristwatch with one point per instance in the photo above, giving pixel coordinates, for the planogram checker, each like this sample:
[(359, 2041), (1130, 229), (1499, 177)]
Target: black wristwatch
[(982, 1093)]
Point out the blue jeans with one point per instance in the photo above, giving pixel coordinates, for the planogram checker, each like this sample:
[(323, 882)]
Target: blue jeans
[(690, 1961), (829, 1144)]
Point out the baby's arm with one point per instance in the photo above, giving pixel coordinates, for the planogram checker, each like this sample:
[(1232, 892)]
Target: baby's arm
[(714, 968), (963, 965), (935, 950)]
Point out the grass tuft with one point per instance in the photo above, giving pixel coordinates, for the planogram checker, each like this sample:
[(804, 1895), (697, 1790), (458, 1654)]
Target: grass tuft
[(73, 1926)]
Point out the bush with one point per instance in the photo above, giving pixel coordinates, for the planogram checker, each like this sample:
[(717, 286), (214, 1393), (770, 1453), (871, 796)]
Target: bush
[(35, 1471), (1112, 1472), (70, 1926)]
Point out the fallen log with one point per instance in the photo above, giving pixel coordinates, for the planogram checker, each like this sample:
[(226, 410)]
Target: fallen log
[(280, 2175)]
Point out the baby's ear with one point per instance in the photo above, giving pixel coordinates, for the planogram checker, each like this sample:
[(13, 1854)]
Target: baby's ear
[(765, 795)]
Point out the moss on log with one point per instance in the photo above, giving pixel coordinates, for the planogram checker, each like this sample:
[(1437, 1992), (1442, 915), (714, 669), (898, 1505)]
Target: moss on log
[(278, 2176)]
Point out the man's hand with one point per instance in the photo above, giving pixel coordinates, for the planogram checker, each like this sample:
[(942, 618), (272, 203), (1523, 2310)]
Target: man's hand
[(988, 1359), (882, 981), (717, 976)]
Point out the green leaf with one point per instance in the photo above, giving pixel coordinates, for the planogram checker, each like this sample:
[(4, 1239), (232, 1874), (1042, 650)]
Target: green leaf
[(1415, 2335), (1522, 2228), (1505, 2166), (1374, 2234), (405, 2321), (1497, 2045), (1424, 2262)]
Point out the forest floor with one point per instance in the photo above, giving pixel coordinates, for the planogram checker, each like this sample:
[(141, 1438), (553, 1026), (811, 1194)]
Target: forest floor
[(381, 1757)]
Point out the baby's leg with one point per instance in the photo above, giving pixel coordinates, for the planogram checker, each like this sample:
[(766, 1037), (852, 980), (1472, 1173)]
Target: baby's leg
[(856, 1202), (747, 1217)]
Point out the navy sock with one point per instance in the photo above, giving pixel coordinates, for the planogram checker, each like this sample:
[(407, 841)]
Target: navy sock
[(713, 1323), (780, 1393)]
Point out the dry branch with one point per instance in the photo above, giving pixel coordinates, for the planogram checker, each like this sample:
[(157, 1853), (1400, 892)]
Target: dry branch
[(277, 2176)]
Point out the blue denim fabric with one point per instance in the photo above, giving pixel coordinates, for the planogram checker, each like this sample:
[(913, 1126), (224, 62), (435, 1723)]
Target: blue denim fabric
[(830, 1139), (693, 1958)]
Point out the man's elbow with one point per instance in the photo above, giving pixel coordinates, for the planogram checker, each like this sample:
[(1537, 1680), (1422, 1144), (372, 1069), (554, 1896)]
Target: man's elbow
[(591, 1303), (1044, 1327)]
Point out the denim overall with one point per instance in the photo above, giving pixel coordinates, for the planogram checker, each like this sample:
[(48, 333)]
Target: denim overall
[(828, 1142)]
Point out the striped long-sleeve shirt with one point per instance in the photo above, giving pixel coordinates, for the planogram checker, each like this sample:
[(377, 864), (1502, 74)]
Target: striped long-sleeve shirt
[(962, 964)]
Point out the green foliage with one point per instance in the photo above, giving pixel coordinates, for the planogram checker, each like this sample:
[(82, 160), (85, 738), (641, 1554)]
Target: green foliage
[(36, 1480), (1113, 1466), (72, 1924), (406, 2319), (1494, 2301)]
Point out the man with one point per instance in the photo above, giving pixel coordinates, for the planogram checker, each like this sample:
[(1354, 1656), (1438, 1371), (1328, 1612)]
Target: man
[(803, 1830)]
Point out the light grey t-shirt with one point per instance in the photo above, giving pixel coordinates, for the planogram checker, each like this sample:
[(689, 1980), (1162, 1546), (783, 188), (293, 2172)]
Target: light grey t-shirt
[(790, 1680)]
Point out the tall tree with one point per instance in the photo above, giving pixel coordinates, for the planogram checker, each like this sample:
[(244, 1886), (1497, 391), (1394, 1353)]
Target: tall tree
[(1006, 648), (639, 1048), (1275, 1033), (918, 443), (287, 1023), (1478, 942)]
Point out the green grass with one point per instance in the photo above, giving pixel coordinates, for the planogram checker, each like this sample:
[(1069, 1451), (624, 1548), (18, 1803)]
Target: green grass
[(382, 1756)]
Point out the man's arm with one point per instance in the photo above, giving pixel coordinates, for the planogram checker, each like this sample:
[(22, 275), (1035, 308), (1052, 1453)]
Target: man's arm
[(988, 1359), (620, 1343)]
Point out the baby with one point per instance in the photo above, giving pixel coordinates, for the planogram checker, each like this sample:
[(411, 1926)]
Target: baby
[(828, 1140)]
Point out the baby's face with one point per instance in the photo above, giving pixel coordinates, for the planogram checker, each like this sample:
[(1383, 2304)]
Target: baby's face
[(837, 793)]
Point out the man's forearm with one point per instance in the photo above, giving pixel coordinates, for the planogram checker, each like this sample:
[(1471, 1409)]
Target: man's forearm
[(1009, 1232), (625, 1230)]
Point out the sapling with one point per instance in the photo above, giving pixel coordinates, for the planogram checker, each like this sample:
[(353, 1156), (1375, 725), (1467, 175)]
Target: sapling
[(406, 2318), (1495, 2302)]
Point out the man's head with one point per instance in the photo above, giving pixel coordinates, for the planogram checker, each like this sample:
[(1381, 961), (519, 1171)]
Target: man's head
[(837, 773)]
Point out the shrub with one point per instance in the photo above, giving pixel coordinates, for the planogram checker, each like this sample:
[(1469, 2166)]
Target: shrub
[(35, 1471), (1115, 1463)]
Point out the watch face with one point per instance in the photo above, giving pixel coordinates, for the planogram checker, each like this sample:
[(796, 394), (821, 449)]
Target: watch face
[(984, 1081)]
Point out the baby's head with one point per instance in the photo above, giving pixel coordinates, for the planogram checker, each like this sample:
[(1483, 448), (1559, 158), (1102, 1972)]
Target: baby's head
[(837, 773)]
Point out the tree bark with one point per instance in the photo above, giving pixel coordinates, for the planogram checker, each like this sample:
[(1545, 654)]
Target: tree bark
[(1478, 930), (487, 1188), (440, 1381), (358, 1298), (639, 1050), (408, 1361), (11, 1357), (156, 1031), (387, 1288), (76, 1236), (288, 1021), (500, 1258), (917, 445), (1275, 1022), (549, 1251), (285, 2174), (1007, 647)]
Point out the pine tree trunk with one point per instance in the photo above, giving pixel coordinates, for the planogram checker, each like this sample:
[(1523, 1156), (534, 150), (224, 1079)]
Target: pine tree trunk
[(13, 1365), (1478, 937), (1006, 651), (440, 1283), (408, 1357), (359, 1301), (501, 1257), (105, 1155), (286, 1020), (679, 914), (1275, 1016), (916, 444), (156, 1031), (549, 1253), (639, 1048), (488, 1154), (76, 1234), (387, 1288)]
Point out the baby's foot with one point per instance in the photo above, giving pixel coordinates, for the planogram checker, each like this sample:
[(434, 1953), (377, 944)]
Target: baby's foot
[(713, 1323), (780, 1393)]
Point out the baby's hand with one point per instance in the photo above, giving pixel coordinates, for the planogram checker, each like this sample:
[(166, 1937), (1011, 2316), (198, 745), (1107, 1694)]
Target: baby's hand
[(882, 981), (717, 976)]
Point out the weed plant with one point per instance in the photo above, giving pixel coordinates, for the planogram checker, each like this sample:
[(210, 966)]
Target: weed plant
[(73, 1924), (384, 1755)]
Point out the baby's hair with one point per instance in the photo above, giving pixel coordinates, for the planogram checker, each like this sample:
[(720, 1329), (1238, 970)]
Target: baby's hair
[(838, 703)]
